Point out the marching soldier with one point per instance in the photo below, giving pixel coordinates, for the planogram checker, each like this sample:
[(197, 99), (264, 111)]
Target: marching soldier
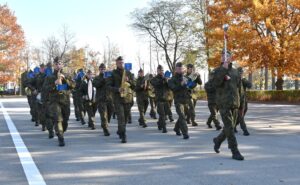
[(227, 83), (160, 84), (59, 86), (151, 95), (103, 98), (121, 84), (212, 105), (89, 97), (244, 103), (31, 84), (79, 96), (141, 90), (193, 101), (179, 86)]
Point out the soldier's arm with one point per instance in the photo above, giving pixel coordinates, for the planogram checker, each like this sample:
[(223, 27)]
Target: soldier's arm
[(157, 83), (246, 83), (71, 84), (198, 80), (111, 84), (175, 86), (99, 82)]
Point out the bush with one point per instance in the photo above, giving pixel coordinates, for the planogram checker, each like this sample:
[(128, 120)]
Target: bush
[(286, 96)]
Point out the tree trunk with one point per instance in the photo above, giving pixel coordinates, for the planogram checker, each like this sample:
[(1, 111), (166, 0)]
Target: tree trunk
[(297, 82), (250, 77), (279, 82), (273, 79), (261, 78), (266, 78)]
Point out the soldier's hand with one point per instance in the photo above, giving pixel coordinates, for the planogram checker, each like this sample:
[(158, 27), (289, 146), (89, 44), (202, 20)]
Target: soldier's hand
[(58, 82), (226, 78)]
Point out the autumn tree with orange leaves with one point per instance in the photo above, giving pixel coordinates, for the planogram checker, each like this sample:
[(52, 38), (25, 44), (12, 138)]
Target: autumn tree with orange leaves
[(11, 43), (262, 33)]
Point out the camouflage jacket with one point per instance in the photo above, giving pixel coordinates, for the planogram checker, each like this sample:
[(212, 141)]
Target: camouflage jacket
[(160, 85), (141, 92), (211, 92), (181, 92), (103, 94)]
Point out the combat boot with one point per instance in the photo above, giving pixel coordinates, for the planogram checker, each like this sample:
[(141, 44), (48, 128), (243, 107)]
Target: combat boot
[(186, 136), (36, 124), (43, 128), (106, 132), (61, 141), (51, 134), (171, 118), (208, 125), (194, 124), (144, 125), (119, 134), (83, 122), (237, 155), (217, 145), (159, 126), (218, 127), (246, 133), (123, 138), (177, 131), (164, 130)]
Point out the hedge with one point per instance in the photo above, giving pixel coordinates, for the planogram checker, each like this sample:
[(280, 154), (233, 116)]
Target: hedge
[(286, 96)]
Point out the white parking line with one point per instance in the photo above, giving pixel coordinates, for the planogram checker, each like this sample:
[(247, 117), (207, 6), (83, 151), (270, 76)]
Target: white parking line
[(32, 173)]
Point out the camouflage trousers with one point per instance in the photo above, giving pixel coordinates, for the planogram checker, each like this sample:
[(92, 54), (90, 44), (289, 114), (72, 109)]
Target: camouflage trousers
[(162, 110), (81, 108), (142, 106), (41, 113), (76, 107), (213, 114), (229, 117), (241, 117), (169, 109), (91, 109), (181, 122), (60, 113), (105, 110), (32, 105), (123, 112), (152, 107), (190, 111)]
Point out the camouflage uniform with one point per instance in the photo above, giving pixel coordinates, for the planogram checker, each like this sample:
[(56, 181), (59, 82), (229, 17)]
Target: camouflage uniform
[(243, 107), (79, 97), (151, 95), (227, 84), (103, 98), (191, 116), (142, 99), (182, 97), (160, 85), (212, 105), (31, 85), (59, 103), (89, 102), (122, 104), (170, 98)]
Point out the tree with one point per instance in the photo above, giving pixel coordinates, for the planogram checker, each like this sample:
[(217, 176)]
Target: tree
[(263, 33), (168, 24), (11, 43)]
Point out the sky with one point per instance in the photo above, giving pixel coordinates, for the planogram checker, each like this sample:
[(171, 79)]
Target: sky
[(92, 21)]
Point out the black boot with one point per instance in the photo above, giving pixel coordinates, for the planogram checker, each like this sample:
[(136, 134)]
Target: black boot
[(178, 133), (246, 133), (237, 155), (61, 141), (119, 134), (51, 134), (218, 127), (171, 119), (194, 124), (145, 125), (164, 130), (209, 125), (43, 128), (186, 136), (83, 122), (36, 124), (159, 126), (106, 132), (235, 130), (217, 145), (123, 138)]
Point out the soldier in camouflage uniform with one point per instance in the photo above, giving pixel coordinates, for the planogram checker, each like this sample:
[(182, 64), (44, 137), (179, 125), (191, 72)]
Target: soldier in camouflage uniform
[(103, 98), (59, 85), (122, 103), (212, 104), (31, 84), (79, 96), (170, 98), (160, 85), (45, 94), (182, 96), (244, 103), (227, 83), (151, 95), (141, 90), (89, 98), (192, 103)]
